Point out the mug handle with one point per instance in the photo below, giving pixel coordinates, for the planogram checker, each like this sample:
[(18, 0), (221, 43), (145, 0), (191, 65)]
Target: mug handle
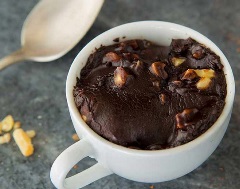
[(70, 157)]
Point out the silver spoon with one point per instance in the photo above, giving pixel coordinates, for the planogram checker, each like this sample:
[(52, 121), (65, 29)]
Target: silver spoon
[(53, 28)]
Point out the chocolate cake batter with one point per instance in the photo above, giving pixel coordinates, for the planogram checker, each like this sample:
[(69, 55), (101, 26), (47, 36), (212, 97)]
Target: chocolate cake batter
[(145, 96)]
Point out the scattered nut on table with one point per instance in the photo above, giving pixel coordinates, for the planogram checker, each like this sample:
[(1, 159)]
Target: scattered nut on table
[(5, 138), (17, 125), (75, 137), (7, 123), (23, 141), (22, 138), (31, 133)]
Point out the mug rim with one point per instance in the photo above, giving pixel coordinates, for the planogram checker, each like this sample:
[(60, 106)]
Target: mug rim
[(184, 147)]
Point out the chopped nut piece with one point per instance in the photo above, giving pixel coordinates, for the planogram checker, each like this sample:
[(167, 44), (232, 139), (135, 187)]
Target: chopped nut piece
[(23, 141), (111, 57), (178, 61), (5, 138), (205, 73), (163, 98), (84, 118), (157, 68), (185, 117), (86, 113), (190, 74), (7, 123), (17, 125), (198, 52), (31, 133), (120, 77), (75, 137), (203, 83)]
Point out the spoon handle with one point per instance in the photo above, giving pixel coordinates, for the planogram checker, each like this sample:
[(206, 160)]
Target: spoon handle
[(14, 57)]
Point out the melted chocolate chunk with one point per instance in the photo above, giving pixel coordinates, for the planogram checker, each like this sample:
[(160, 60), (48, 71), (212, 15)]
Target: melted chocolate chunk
[(145, 96)]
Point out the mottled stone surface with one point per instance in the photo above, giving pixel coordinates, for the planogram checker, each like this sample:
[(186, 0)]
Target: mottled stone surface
[(34, 93)]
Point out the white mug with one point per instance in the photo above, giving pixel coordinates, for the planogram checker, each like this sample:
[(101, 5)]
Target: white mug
[(137, 165)]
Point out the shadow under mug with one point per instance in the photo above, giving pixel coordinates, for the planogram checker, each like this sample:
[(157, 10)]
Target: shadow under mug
[(137, 165)]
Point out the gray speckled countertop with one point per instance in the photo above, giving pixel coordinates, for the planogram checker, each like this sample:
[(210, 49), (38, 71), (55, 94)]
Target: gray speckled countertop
[(34, 93)]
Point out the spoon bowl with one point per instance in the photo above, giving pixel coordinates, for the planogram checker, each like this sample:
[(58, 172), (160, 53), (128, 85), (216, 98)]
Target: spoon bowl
[(53, 28)]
